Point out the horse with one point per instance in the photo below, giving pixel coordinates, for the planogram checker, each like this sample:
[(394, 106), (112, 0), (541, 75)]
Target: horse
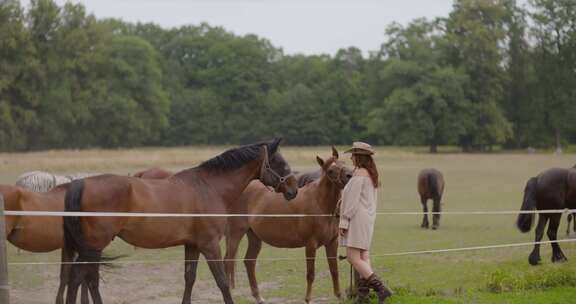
[(304, 178), (571, 216), (210, 188), (431, 186), (554, 188), (318, 197), (153, 173), (41, 191), (39, 233), (41, 181)]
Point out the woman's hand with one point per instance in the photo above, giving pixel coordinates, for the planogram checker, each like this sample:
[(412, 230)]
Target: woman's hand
[(343, 231)]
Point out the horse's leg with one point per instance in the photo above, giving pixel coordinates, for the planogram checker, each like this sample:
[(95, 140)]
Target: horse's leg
[(332, 256), (191, 255), (84, 293), (214, 259), (425, 223), (557, 254), (232, 242), (254, 247), (310, 270), (574, 220), (534, 257), (568, 219), (436, 209)]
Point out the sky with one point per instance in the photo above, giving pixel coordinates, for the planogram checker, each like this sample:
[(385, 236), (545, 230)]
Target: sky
[(296, 26)]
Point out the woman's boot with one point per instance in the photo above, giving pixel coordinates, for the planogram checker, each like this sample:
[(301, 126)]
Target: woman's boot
[(381, 290), (362, 291)]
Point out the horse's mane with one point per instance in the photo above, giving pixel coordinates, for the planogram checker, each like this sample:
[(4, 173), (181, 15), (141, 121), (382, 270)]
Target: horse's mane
[(238, 157)]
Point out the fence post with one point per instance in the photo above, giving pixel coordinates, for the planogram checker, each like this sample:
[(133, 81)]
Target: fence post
[(4, 287)]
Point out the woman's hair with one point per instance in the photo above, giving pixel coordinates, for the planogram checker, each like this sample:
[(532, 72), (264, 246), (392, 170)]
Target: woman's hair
[(366, 162)]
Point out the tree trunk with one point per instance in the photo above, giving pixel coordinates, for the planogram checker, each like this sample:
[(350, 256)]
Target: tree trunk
[(558, 143)]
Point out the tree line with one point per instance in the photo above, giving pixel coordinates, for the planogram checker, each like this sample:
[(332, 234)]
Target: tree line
[(492, 73)]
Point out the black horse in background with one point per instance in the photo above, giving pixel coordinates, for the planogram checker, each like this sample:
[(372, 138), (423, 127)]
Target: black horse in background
[(571, 216), (431, 186), (553, 189)]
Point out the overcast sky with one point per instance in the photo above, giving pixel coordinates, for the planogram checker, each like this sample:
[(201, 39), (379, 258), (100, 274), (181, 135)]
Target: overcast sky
[(297, 26)]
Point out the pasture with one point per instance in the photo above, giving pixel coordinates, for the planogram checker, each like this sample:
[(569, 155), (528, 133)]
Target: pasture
[(473, 182)]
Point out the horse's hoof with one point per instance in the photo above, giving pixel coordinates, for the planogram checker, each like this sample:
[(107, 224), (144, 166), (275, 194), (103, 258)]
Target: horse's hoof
[(260, 301), (559, 259), (434, 227), (534, 260), (424, 226)]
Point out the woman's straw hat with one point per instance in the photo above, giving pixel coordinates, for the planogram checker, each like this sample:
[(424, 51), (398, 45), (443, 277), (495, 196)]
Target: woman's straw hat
[(359, 147)]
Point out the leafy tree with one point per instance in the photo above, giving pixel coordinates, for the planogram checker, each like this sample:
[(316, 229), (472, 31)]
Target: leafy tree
[(554, 60), (16, 59), (518, 103), (475, 31), (427, 103), (196, 118), (134, 107)]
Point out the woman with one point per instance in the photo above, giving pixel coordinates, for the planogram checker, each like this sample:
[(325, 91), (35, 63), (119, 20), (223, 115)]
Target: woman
[(357, 216)]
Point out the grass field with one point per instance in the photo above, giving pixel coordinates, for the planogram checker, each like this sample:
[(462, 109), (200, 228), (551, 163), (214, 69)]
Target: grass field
[(474, 182)]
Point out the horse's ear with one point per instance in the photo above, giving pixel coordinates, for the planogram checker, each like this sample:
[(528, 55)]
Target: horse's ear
[(274, 145), (334, 153), (320, 161)]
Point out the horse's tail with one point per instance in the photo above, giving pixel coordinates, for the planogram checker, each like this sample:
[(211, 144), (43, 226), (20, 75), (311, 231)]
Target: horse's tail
[(433, 186), (72, 230), (73, 239), (525, 220)]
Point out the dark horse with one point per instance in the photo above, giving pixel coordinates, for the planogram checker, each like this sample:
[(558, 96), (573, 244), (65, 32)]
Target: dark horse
[(571, 216), (210, 188), (552, 189), (431, 186), (319, 197)]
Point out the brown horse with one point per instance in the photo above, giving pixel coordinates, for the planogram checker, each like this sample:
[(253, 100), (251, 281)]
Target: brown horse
[(210, 188), (319, 197), (39, 233), (153, 173), (44, 233), (431, 186), (552, 189)]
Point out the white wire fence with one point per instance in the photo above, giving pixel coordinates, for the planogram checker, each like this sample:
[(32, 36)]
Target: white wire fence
[(218, 215)]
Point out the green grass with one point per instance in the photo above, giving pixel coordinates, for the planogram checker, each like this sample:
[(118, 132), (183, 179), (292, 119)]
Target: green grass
[(474, 182)]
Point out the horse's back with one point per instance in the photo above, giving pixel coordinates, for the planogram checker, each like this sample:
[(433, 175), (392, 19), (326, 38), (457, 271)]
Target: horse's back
[(153, 173), (426, 184), (552, 188), (304, 178)]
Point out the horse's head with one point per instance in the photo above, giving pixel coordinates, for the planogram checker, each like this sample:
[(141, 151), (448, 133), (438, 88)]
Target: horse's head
[(336, 171), (276, 172)]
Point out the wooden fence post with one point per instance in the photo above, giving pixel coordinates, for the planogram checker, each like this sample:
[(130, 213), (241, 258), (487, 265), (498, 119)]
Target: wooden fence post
[(4, 287)]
